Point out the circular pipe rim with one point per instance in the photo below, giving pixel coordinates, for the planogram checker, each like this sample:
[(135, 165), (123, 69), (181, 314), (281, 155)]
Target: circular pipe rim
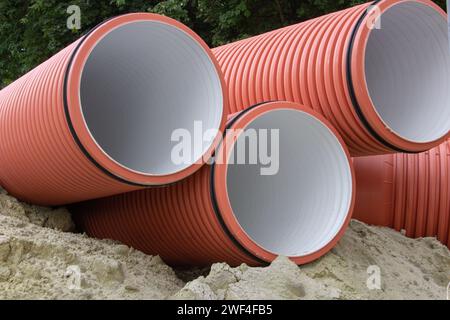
[(219, 185), (359, 86), (75, 114)]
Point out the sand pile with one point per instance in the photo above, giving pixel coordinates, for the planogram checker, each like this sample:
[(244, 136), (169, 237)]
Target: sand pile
[(409, 269), (41, 263), (41, 259)]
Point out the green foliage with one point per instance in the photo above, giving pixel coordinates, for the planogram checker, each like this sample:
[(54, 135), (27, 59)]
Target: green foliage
[(33, 30)]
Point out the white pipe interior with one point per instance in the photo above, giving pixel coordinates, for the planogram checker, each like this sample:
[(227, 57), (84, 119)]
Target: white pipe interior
[(302, 208), (142, 81), (408, 71)]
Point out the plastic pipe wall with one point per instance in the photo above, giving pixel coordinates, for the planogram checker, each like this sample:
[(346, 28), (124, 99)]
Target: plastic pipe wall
[(96, 119), (230, 212), (380, 74), (406, 192)]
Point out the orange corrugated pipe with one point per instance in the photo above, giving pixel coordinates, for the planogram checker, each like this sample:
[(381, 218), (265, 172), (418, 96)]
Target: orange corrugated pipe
[(96, 119), (385, 90), (406, 192), (231, 212)]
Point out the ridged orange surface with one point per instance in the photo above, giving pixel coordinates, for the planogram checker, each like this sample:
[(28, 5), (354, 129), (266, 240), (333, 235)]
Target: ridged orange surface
[(406, 192), (307, 63), (177, 223), (190, 222), (40, 161), (47, 155)]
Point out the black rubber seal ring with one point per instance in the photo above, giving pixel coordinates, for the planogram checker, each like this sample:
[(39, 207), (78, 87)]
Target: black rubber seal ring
[(69, 120), (351, 88), (214, 197)]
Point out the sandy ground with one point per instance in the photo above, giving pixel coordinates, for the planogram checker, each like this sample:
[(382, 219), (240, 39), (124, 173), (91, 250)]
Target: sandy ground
[(41, 259)]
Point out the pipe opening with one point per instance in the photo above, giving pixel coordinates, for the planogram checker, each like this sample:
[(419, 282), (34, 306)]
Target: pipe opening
[(303, 207), (407, 67), (142, 81)]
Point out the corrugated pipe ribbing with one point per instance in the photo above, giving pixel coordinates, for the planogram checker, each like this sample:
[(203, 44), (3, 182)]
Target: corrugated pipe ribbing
[(406, 192), (96, 119), (384, 89), (228, 211)]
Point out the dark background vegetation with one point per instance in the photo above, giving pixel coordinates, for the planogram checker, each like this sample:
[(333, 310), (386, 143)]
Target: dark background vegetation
[(33, 30)]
